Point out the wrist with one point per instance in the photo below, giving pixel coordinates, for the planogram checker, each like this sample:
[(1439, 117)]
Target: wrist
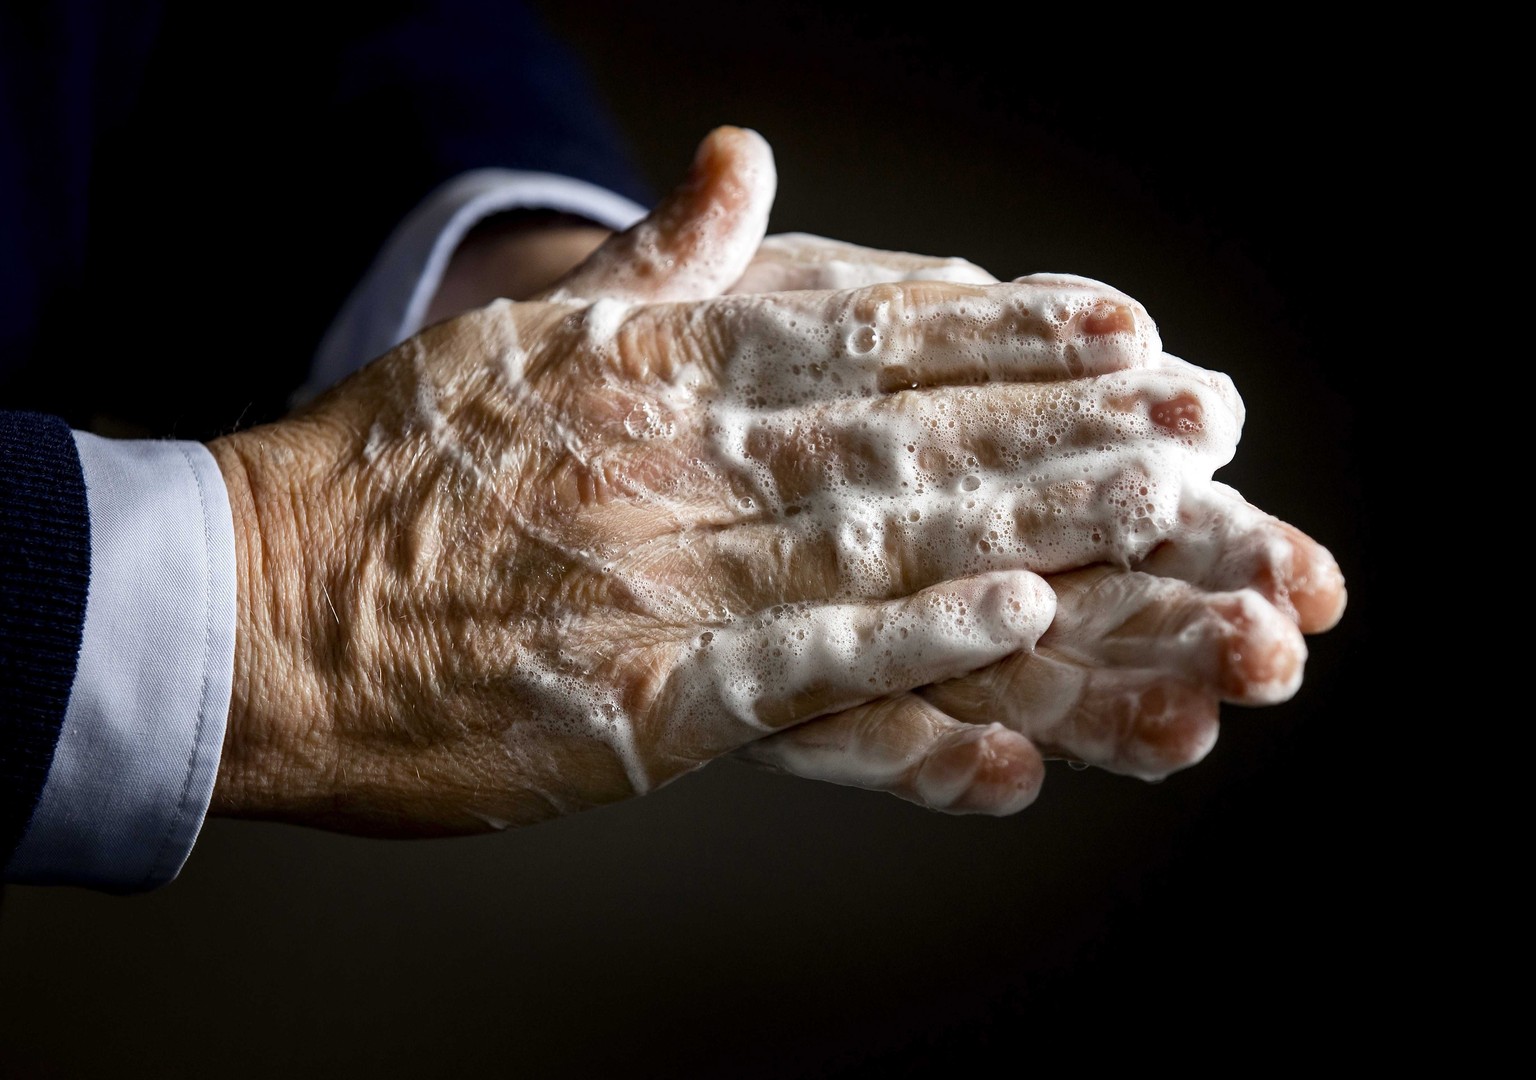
[(273, 763), (513, 256)]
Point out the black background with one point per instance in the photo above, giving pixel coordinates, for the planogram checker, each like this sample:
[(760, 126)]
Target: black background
[(738, 924)]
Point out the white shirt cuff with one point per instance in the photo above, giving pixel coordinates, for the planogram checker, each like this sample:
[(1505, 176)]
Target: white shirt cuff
[(390, 302), (139, 748)]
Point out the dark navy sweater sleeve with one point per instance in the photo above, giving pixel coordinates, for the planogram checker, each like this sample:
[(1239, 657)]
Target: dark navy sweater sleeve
[(44, 575)]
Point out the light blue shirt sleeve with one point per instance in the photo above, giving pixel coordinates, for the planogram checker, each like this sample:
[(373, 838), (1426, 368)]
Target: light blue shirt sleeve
[(138, 752)]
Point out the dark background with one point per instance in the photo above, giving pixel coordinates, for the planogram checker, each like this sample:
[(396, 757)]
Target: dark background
[(738, 924)]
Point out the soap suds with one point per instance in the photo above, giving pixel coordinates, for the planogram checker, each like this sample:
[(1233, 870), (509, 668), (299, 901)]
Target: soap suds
[(930, 441)]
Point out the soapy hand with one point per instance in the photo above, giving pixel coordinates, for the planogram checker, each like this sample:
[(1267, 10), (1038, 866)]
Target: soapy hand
[(551, 554), (1137, 663), (1133, 671)]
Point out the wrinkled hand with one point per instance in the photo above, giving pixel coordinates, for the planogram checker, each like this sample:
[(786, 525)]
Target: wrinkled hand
[(551, 554), (1133, 671)]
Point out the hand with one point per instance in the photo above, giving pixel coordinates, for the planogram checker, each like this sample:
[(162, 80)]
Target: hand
[(1133, 671), (1130, 676), (552, 554)]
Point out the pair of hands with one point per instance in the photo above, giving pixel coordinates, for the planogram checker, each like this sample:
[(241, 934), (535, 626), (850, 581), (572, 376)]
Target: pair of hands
[(864, 516)]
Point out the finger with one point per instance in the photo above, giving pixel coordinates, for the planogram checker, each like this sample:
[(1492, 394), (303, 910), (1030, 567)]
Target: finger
[(906, 746), (798, 661), (1136, 723), (697, 241), (1235, 643), (772, 350), (1219, 382), (1133, 671), (803, 261), (1132, 723), (963, 438), (787, 348), (1227, 543)]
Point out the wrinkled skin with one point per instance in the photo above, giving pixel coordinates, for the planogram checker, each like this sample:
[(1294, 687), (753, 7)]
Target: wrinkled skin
[(548, 555)]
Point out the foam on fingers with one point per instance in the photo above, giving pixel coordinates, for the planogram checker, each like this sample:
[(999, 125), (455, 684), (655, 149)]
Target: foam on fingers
[(795, 347), (908, 747), (1226, 543), (794, 662)]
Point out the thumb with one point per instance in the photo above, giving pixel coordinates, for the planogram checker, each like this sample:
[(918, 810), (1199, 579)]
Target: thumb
[(697, 241)]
